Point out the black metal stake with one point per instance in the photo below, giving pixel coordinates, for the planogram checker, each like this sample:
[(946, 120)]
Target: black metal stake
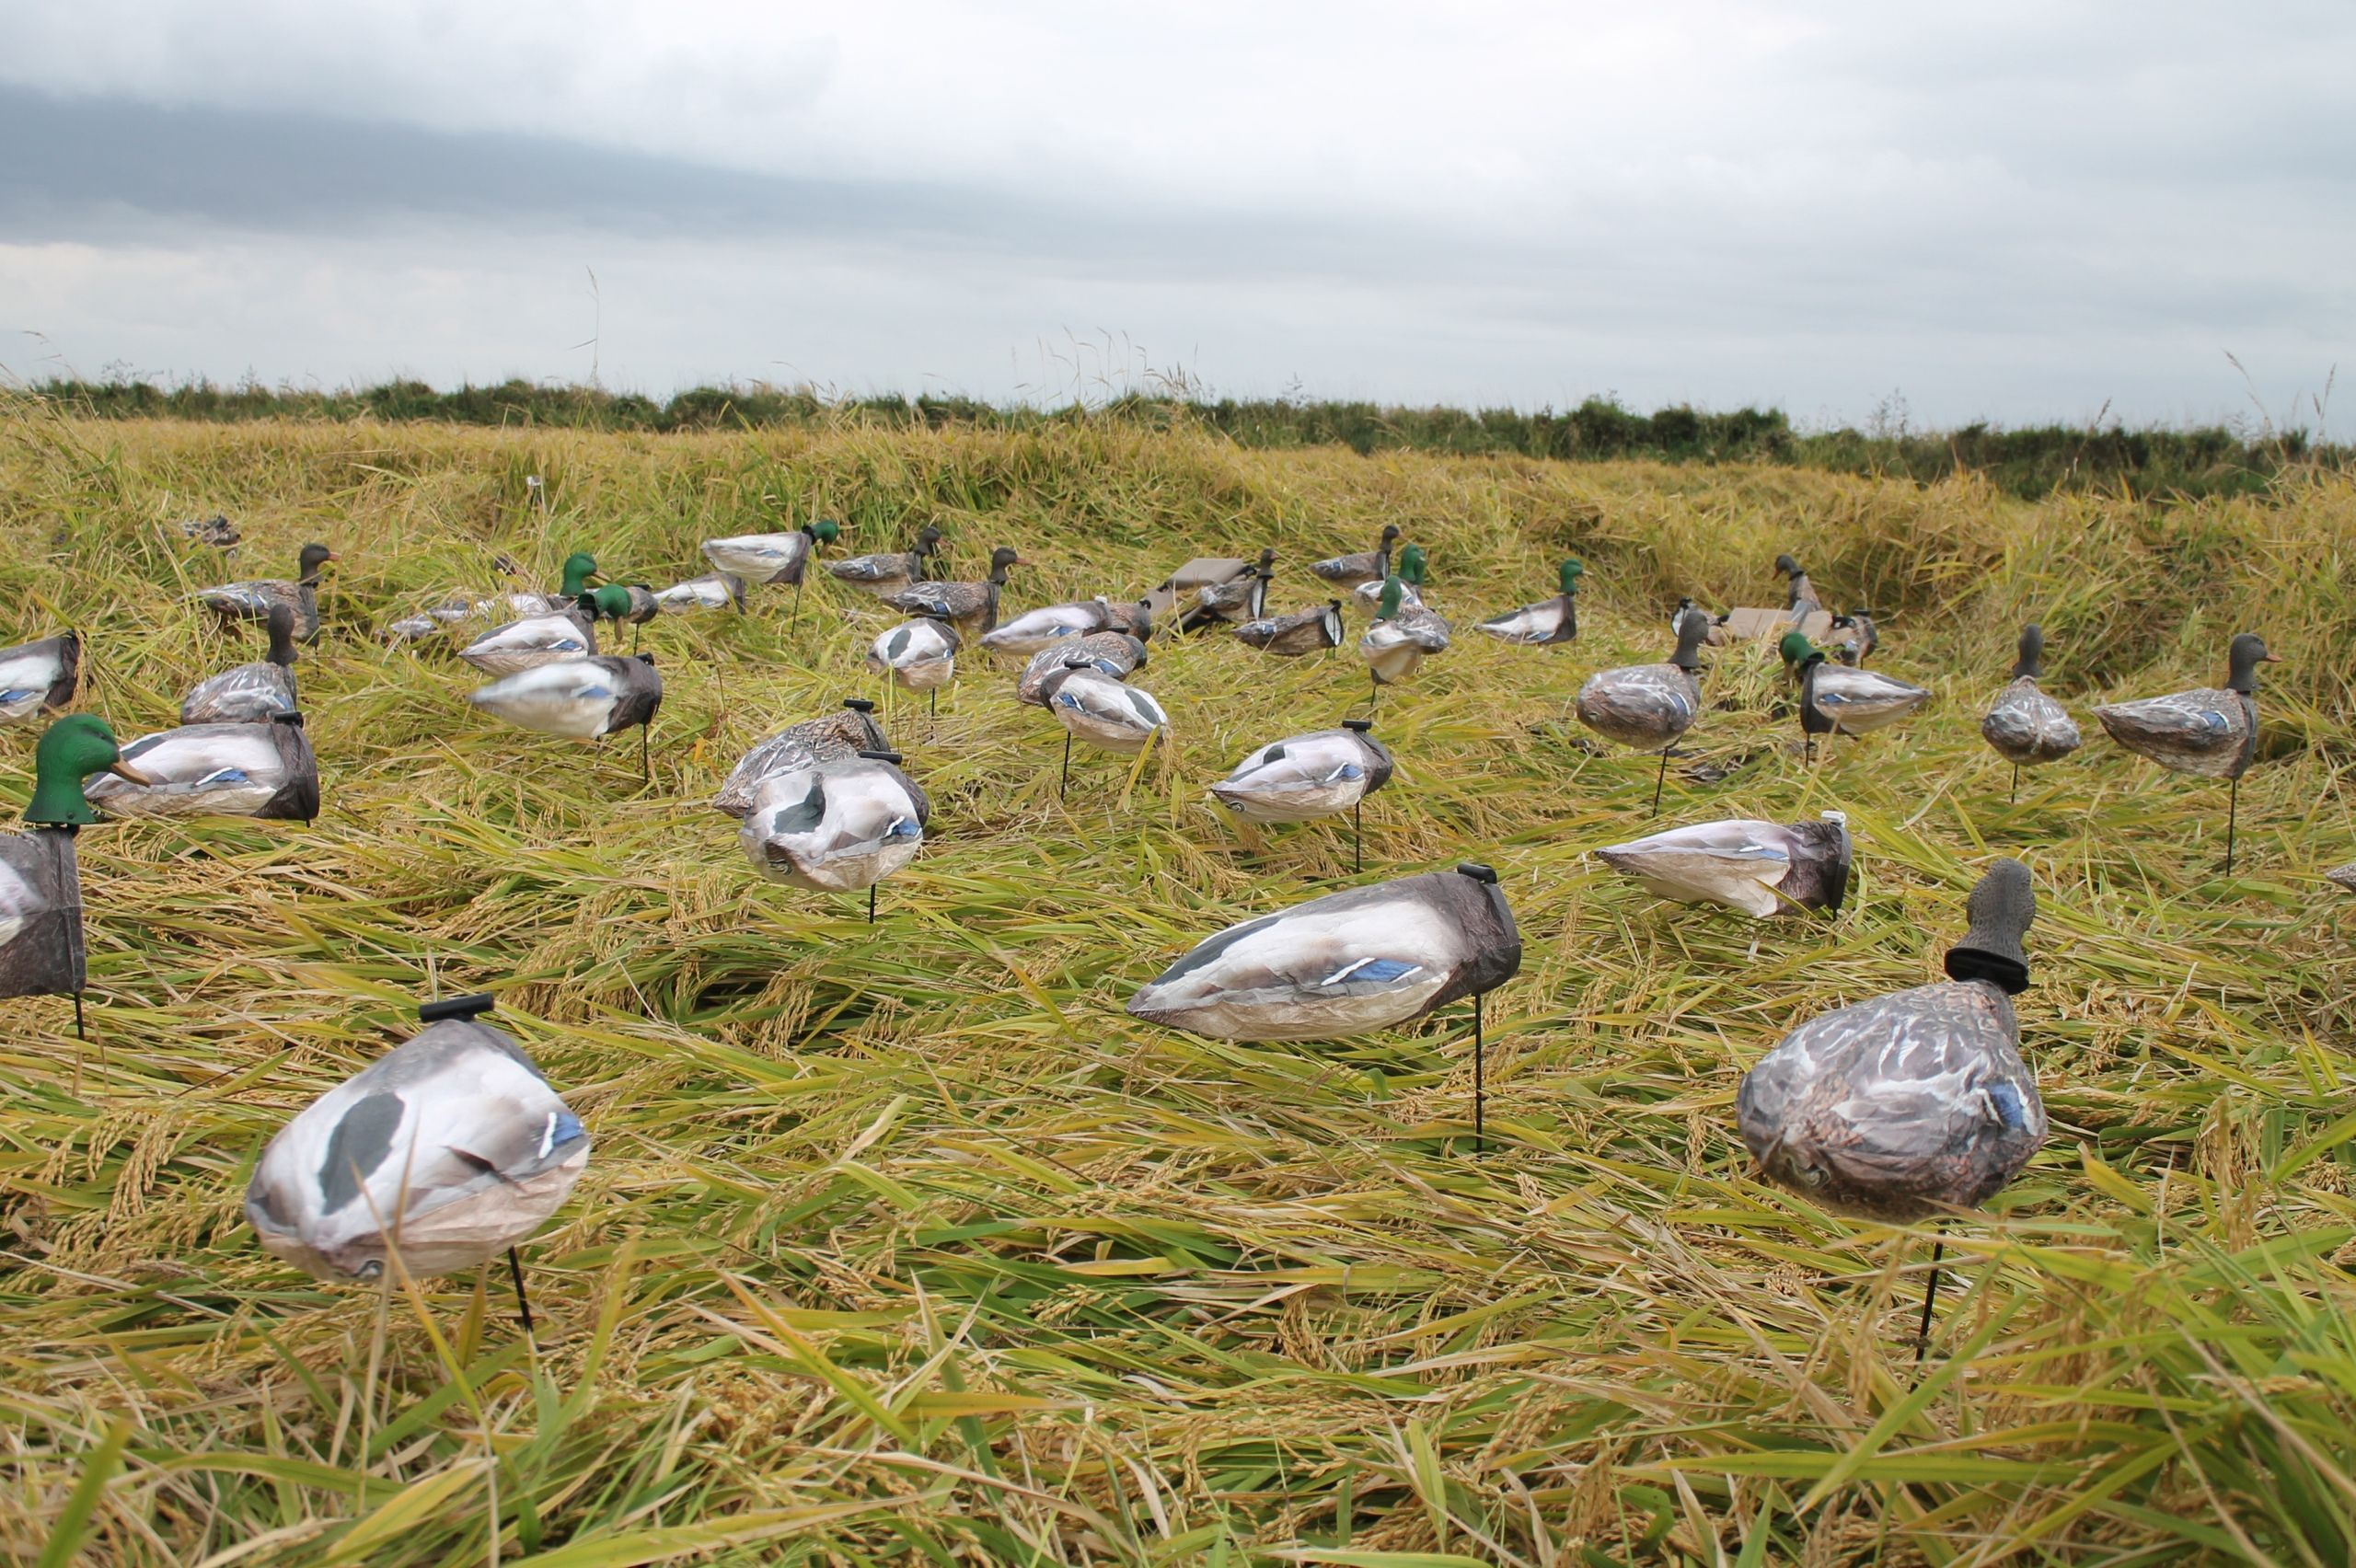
[(1659, 778), (80, 1033), (645, 767), (1357, 836), (1929, 1291), (522, 1302), (1479, 1082), (1064, 782), (870, 903), (1374, 701), (932, 703), (2015, 797)]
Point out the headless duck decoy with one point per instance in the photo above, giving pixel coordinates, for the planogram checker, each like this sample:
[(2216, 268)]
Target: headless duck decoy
[(1228, 604), (836, 827), (1312, 630), (2025, 726), (578, 568), (1914, 1104), (1115, 653), (1305, 778), (1760, 868), (534, 641), (1035, 631), (251, 770), (215, 530), (1394, 647), (1799, 595), (252, 601), (39, 677), (40, 880), (443, 1153), (712, 591), (837, 737), (1096, 708), (771, 559), (581, 700), (1369, 565), (1649, 707), (1836, 700), (250, 693), (920, 655), (971, 608), (2210, 733), (1547, 622), (1858, 639), (883, 574), (1351, 962)]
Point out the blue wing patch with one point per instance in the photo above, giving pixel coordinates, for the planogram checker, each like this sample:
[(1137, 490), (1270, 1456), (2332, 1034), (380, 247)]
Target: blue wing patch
[(1372, 971)]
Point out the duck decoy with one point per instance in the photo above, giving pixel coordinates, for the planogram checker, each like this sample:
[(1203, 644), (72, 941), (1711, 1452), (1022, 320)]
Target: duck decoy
[(1676, 616), (971, 608), (771, 559), (1858, 639), (1836, 700), (883, 574), (1367, 566), (1227, 604), (1413, 565), (1760, 868), (534, 641), (1649, 706), (250, 693), (581, 700), (252, 601), (1799, 595), (250, 770), (712, 591), (446, 1151), (1547, 622), (623, 604), (1350, 963), (839, 735), (1101, 710), (1312, 630), (1304, 777), (1395, 645), (2025, 726), (1035, 631), (578, 568), (215, 530), (2342, 876), (836, 825), (1914, 1104), (921, 654), (1136, 619), (40, 880), (2208, 732), (39, 677), (1115, 653)]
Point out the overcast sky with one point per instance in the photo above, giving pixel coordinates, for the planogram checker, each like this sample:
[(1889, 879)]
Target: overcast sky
[(2017, 211)]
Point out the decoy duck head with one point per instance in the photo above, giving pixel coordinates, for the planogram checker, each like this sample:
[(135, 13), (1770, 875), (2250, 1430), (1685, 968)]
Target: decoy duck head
[(1570, 572), (1393, 591), (1798, 651), (1267, 559), (2248, 654), (1390, 534), (927, 539), (2000, 910), (281, 622), (825, 530), (1002, 558), (313, 557), (579, 568), (1692, 630), (609, 602), (2031, 662), (1141, 622), (1412, 563), (1787, 566), (70, 751)]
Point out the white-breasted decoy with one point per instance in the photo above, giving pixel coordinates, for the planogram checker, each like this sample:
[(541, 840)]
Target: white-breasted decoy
[(1837, 700), (837, 826), (534, 641), (771, 559), (1305, 778), (890, 572), (581, 700), (712, 591), (1350, 963), (921, 654), (1118, 654), (39, 677), (971, 608), (443, 1153), (2209, 732), (1799, 595), (1547, 622), (1100, 709), (1914, 1104), (40, 880), (835, 737), (1649, 707), (1035, 631), (1395, 646), (1232, 603), (252, 601), (1760, 868), (252, 770), (252, 693), (2024, 726), (1313, 630), (573, 582), (1367, 566), (1857, 639)]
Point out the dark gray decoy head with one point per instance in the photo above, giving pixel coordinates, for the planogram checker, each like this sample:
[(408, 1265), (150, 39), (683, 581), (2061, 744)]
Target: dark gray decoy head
[(1787, 566), (281, 621), (2030, 665), (2000, 909), (2248, 654), (314, 556), (1692, 629), (1002, 558)]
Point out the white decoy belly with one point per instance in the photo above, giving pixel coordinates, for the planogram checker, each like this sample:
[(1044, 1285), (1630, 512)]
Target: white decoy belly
[(1531, 623), (759, 558), (1861, 701), (1738, 863), (1036, 630), (224, 769), (20, 903), (2209, 733), (572, 697), (520, 645), (1105, 712), (25, 680), (1297, 779), (1310, 974)]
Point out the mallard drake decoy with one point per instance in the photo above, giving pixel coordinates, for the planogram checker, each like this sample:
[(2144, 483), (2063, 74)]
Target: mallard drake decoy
[(581, 700), (1799, 595), (1413, 565), (843, 733), (1100, 709), (882, 574), (712, 591), (1547, 622), (921, 654), (1395, 645), (1033, 631), (252, 601), (252, 770), (250, 693), (534, 641), (1304, 777), (1836, 700), (971, 608), (1858, 639), (215, 530), (1311, 631), (1369, 565), (578, 568), (1227, 604), (2208, 732), (1916, 1103), (1649, 706), (623, 604), (771, 558), (836, 827), (39, 677), (1115, 653), (40, 880), (1760, 868), (2025, 726), (445, 1152)]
